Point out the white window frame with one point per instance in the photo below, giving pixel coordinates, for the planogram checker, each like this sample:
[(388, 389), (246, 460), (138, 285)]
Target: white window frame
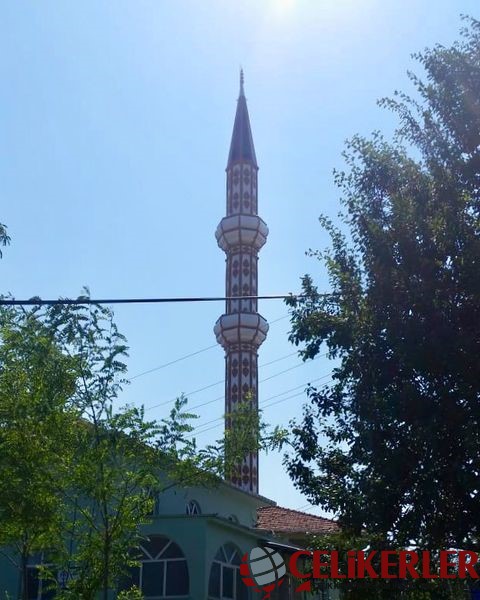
[(158, 559), (41, 581), (230, 565), (192, 508)]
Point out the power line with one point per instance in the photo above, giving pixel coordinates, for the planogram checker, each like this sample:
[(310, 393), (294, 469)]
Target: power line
[(304, 506), (276, 360), (284, 399), (177, 360), (278, 402), (262, 403), (189, 394), (85, 300), (172, 362), (310, 507), (216, 420), (206, 387)]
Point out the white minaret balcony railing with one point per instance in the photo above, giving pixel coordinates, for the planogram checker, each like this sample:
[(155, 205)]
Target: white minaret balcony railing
[(241, 230), (240, 328)]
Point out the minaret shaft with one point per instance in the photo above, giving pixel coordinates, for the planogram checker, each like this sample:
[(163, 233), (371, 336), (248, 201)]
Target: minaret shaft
[(241, 330)]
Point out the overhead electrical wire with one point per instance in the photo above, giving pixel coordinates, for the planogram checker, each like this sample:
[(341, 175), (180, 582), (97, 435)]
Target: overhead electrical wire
[(262, 403), (189, 394), (302, 385), (81, 300), (311, 507), (172, 362), (195, 432), (177, 360), (304, 506), (210, 385), (199, 428)]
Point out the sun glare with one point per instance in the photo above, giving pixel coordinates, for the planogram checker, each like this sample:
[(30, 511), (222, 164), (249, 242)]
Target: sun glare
[(282, 8)]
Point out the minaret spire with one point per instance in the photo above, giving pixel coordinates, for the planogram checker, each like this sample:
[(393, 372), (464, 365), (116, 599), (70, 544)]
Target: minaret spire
[(241, 146), (241, 329)]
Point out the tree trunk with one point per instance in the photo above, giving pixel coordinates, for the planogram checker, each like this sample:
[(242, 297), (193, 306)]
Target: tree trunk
[(23, 575), (106, 565)]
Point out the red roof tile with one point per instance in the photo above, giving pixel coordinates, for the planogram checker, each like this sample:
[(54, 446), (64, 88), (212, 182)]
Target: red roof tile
[(287, 520)]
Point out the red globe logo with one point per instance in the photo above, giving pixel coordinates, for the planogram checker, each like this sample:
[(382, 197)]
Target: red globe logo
[(263, 569)]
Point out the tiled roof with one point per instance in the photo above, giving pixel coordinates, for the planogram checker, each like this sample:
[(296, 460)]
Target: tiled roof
[(287, 520)]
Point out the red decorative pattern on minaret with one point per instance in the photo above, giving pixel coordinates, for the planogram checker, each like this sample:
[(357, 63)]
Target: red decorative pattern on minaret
[(241, 234)]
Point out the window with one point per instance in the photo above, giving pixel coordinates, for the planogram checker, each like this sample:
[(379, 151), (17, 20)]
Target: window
[(225, 582), (163, 570), (193, 508), (38, 588), (154, 496), (286, 590)]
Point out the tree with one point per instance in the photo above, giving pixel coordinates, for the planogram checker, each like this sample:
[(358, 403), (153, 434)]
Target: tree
[(123, 463), (87, 473), (4, 237), (36, 423), (392, 445)]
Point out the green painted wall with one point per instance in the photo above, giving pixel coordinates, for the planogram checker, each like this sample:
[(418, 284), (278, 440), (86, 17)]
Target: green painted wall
[(199, 537)]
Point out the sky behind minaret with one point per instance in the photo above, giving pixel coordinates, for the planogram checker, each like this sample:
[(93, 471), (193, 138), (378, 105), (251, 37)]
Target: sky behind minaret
[(115, 124)]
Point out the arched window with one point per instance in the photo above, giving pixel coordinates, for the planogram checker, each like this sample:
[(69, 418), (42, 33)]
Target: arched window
[(39, 585), (155, 498), (193, 508), (225, 582), (163, 570)]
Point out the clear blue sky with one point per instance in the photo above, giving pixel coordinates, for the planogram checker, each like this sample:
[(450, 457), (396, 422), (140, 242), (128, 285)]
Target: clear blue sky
[(115, 121)]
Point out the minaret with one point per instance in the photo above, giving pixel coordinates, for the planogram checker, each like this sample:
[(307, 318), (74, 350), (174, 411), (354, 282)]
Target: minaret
[(241, 234)]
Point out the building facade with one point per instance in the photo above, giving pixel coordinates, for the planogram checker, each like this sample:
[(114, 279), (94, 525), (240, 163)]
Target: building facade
[(198, 536)]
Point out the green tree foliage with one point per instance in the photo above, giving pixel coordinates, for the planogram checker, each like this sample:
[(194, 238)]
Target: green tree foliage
[(392, 446), (79, 474), (114, 467), (4, 237), (36, 418), (344, 540)]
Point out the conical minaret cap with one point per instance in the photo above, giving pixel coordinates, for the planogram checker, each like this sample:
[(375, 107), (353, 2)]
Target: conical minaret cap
[(241, 146)]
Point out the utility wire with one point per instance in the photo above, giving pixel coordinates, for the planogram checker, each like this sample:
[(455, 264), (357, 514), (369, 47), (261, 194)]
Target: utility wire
[(168, 364), (172, 362), (266, 406), (287, 370), (189, 394), (303, 507), (199, 428), (311, 507), (85, 300), (262, 403), (276, 360)]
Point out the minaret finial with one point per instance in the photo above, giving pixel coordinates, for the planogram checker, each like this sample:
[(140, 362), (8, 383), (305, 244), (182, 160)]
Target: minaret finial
[(242, 80)]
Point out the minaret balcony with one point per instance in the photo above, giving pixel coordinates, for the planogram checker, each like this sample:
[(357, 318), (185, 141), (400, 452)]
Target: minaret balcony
[(241, 230), (240, 328)]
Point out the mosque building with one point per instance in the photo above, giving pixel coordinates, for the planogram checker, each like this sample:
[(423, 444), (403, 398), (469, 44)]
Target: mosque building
[(198, 536)]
